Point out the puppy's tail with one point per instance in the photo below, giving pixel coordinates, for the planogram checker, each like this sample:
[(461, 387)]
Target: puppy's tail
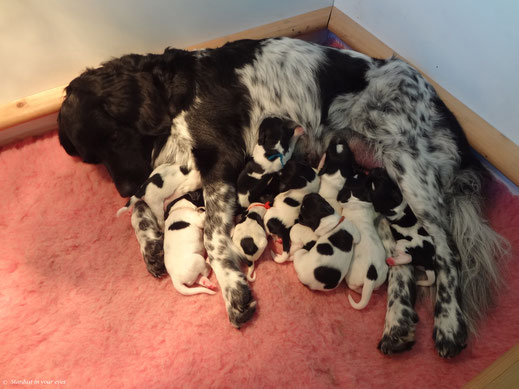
[(251, 275), (129, 204), (186, 291), (367, 290), (478, 245)]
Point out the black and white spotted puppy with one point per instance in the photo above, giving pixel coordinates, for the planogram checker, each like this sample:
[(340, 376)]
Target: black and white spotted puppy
[(184, 247), (413, 243), (277, 139), (249, 236), (338, 164), (296, 181), (150, 238), (368, 269), (322, 244), (165, 181)]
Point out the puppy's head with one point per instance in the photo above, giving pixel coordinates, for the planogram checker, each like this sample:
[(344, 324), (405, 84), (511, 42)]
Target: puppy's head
[(295, 175), (316, 212), (194, 199), (338, 157), (384, 193), (356, 186), (275, 135)]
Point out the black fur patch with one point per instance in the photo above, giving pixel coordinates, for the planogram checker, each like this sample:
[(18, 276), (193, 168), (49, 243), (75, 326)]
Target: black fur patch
[(340, 74), (372, 273), (325, 249), (408, 220), (248, 246), (423, 256), (309, 245), (291, 202), (342, 240), (155, 179), (178, 225), (256, 217), (329, 276), (421, 231), (398, 236), (277, 227)]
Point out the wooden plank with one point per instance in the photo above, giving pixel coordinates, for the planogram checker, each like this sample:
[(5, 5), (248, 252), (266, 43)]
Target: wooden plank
[(33, 127), (503, 373), (47, 102), (31, 107), (294, 26), (483, 137)]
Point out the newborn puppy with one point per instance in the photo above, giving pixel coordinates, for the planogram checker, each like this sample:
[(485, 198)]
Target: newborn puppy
[(413, 243), (166, 180), (277, 139), (337, 164), (151, 241), (249, 236), (296, 181), (368, 269), (322, 244), (184, 248)]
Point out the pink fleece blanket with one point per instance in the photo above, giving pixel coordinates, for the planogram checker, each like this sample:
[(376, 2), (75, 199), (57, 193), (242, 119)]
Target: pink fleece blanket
[(78, 308)]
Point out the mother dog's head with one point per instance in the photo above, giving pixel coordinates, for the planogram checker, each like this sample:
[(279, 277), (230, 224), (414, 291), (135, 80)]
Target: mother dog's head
[(114, 114)]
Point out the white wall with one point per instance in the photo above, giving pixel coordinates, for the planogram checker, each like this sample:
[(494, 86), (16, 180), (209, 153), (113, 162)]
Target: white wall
[(46, 43), (470, 47)]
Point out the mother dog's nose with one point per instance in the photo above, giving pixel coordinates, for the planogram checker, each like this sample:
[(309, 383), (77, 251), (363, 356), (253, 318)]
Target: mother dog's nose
[(126, 189)]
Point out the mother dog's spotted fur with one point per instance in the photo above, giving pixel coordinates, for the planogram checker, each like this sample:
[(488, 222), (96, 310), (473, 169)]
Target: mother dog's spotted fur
[(203, 109)]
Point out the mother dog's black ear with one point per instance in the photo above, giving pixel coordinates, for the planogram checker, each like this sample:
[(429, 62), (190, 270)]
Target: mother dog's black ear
[(136, 101)]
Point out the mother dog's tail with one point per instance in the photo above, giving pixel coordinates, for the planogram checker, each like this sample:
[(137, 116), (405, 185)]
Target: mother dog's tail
[(479, 246)]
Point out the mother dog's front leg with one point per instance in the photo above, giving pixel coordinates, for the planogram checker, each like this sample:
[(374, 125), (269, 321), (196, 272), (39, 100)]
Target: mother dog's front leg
[(220, 199), (401, 318)]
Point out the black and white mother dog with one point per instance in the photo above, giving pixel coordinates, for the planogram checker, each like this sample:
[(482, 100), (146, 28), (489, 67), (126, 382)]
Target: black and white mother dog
[(203, 108)]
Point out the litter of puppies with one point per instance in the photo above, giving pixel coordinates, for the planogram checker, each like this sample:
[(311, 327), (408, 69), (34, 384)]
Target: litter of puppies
[(323, 218)]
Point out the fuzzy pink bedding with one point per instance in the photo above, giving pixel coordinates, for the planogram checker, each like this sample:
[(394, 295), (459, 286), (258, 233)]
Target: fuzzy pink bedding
[(79, 309)]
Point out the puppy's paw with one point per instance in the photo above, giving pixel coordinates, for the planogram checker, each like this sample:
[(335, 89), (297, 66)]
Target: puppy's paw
[(450, 335), (240, 304), (398, 339)]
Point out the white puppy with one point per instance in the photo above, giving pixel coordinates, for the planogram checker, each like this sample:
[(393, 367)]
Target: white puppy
[(167, 180), (322, 244), (184, 248), (249, 236), (368, 269)]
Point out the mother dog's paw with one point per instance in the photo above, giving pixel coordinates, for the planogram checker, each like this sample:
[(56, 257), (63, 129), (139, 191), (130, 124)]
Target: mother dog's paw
[(449, 343), (397, 339), (240, 304), (450, 330)]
